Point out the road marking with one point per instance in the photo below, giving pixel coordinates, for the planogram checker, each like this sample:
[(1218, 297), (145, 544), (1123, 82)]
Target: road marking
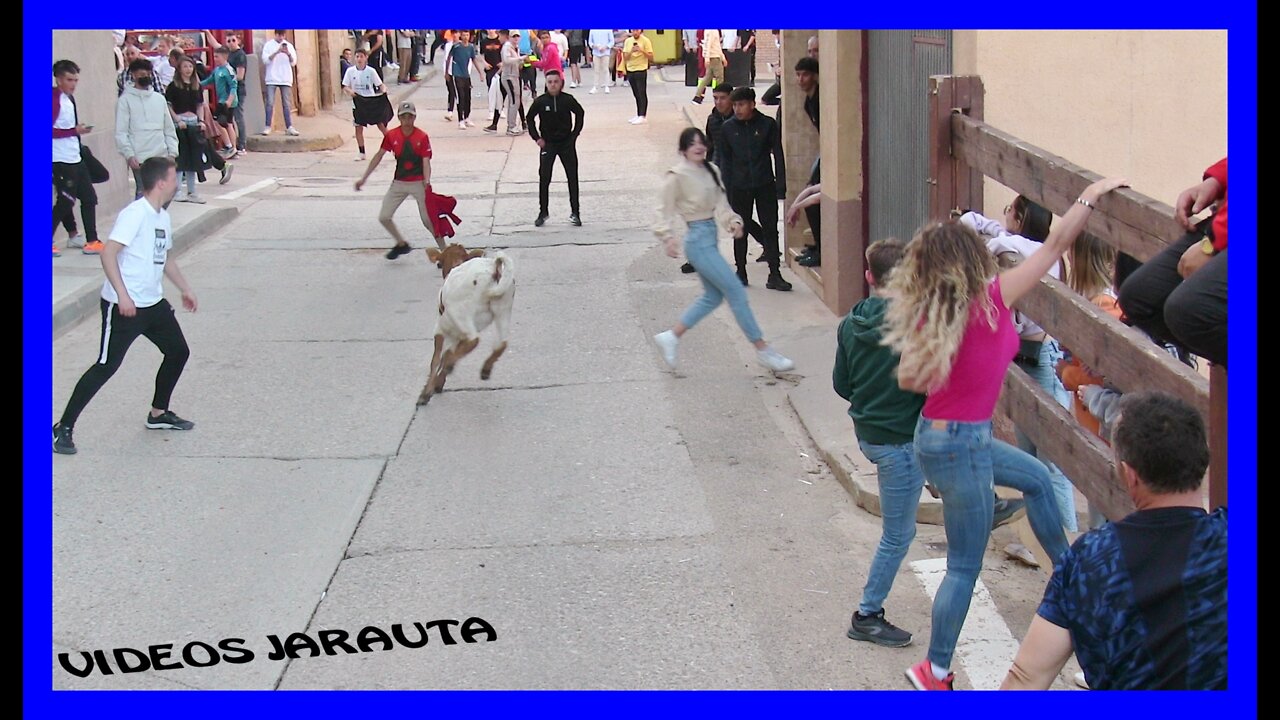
[(986, 647), (246, 190)]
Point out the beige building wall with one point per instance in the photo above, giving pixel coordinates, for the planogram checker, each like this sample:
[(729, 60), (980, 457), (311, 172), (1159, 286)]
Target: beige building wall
[(96, 105), (1147, 105)]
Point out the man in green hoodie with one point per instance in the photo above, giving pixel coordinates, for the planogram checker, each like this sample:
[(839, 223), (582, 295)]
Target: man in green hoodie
[(884, 419)]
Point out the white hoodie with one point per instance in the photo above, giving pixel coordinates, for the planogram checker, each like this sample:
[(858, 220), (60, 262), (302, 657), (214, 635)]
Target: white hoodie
[(144, 127)]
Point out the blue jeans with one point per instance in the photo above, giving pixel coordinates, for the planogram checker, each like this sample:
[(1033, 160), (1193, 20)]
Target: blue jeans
[(964, 462), (1046, 377), (718, 281), (900, 482), (286, 97)]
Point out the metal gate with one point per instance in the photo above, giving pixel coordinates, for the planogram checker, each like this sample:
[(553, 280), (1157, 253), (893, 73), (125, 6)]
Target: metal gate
[(899, 65)]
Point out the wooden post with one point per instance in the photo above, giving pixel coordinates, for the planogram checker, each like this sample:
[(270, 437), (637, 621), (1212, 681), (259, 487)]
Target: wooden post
[(1217, 437), (952, 182)]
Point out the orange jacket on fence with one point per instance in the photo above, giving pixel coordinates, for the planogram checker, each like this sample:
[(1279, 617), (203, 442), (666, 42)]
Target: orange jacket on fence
[(1075, 374)]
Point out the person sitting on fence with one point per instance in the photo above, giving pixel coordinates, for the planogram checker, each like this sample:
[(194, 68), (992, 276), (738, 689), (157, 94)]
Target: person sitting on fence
[(1142, 601), (1180, 295), (1026, 225)]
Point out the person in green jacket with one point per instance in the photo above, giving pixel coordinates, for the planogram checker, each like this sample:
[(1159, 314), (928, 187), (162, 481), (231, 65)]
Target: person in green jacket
[(884, 419)]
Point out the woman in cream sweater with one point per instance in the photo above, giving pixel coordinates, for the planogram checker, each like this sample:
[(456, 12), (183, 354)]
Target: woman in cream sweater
[(694, 192)]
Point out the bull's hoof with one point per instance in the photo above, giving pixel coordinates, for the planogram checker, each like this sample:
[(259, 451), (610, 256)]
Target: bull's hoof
[(485, 373), (423, 399)]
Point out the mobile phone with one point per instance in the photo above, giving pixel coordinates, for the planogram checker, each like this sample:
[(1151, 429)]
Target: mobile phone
[(88, 125)]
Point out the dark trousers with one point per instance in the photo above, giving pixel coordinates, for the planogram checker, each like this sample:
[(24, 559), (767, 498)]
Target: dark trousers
[(463, 87), (765, 200), (452, 89), (813, 213), (71, 182), (529, 76), (567, 151), (639, 81), (436, 45), (1190, 312), (158, 324), (415, 58)]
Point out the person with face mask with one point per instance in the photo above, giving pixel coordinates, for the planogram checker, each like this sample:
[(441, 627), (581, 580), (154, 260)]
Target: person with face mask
[(144, 127)]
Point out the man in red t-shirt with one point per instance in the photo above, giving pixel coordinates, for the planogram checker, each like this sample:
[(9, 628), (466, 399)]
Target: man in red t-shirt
[(412, 150)]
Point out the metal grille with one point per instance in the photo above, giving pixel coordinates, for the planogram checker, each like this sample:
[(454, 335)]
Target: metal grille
[(900, 63)]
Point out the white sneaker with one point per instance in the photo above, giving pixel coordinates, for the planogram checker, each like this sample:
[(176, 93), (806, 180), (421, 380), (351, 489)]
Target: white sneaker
[(1080, 681), (774, 360), (573, 85), (515, 131), (360, 157), (606, 89), (292, 131), (667, 342), (593, 89), (469, 123), (266, 131), (448, 116), (76, 240), (193, 198), (180, 197), (462, 125), (638, 120)]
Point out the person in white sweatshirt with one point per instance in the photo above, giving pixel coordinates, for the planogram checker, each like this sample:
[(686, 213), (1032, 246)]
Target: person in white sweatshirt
[(279, 57), (601, 44), (144, 127)]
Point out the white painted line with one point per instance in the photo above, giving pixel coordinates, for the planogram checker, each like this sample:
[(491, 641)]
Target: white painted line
[(246, 190), (986, 647)]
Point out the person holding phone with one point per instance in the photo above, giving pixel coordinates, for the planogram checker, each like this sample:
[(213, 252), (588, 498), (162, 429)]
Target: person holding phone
[(280, 57), (70, 175)]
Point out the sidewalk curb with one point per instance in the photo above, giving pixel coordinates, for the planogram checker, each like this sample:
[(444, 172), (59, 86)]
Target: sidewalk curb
[(71, 310)]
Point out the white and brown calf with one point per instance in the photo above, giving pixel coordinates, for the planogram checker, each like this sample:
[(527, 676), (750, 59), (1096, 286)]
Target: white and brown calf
[(477, 291)]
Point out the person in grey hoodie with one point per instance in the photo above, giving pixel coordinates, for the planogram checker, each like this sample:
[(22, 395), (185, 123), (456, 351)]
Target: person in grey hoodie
[(144, 127), (884, 419)]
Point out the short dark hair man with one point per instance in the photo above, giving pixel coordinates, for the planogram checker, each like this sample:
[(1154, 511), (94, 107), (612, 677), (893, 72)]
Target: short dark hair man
[(561, 123), (748, 140), (136, 260), (1143, 601)]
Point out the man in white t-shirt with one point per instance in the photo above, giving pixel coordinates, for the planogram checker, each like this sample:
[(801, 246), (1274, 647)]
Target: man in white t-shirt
[(279, 57), (369, 97), (136, 261)]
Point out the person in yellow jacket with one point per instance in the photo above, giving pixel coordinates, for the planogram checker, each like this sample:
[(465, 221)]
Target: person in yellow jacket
[(637, 53)]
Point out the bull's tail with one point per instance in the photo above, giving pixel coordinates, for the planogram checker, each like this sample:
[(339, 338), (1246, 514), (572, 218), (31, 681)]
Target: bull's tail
[(503, 275)]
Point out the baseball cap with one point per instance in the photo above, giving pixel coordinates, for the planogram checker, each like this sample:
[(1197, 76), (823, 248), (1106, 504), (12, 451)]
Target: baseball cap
[(515, 33), (407, 108)]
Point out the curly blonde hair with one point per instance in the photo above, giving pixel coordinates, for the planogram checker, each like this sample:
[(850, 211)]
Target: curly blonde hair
[(945, 270)]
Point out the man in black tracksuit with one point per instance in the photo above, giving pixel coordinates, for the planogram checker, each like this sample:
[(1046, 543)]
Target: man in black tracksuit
[(557, 136), (719, 114), (747, 140)]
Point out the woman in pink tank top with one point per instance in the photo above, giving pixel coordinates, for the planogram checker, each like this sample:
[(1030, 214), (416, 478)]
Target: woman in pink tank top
[(949, 319)]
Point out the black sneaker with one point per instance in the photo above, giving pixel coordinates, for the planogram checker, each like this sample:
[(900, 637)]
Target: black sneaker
[(1007, 510), (688, 268), (874, 628), (697, 99), (542, 219), (62, 443), (168, 421), (806, 252), (775, 282), (742, 275), (490, 128), (813, 259), (575, 221), (398, 250)]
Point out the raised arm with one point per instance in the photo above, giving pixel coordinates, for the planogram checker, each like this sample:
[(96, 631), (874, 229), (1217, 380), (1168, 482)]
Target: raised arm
[(1018, 281)]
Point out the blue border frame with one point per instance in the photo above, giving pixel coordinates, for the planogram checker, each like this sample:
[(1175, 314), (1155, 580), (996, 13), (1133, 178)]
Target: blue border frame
[(1238, 17)]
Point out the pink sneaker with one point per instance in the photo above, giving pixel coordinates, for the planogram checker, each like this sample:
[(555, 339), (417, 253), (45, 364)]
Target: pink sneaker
[(921, 676)]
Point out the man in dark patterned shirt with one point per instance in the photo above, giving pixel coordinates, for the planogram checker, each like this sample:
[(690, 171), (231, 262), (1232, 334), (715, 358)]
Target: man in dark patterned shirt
[(1142, 601)]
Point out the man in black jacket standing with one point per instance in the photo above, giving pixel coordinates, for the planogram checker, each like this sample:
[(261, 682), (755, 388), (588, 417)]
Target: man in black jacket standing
[(747, 141), (556, 135)]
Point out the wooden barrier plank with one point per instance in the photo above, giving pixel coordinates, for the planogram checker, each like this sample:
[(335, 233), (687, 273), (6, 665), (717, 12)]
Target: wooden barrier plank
[(1121, 354), (1218, 437), (1080, 454), (1133, 223)]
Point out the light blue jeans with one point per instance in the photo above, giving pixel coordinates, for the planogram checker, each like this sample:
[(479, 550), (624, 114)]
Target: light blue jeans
[(719, 283), (286, 98), (1046, 377), (900, 482), (964, 463)]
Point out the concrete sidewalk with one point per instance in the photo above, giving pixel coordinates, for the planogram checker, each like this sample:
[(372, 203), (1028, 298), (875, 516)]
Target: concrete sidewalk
[(77, 278)]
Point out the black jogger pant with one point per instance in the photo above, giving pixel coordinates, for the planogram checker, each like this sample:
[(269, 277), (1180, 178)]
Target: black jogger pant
[(639, 81), (1190, 312), (567, 151), (71, 182), (765, 200), (157, 323), (463, 87)]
